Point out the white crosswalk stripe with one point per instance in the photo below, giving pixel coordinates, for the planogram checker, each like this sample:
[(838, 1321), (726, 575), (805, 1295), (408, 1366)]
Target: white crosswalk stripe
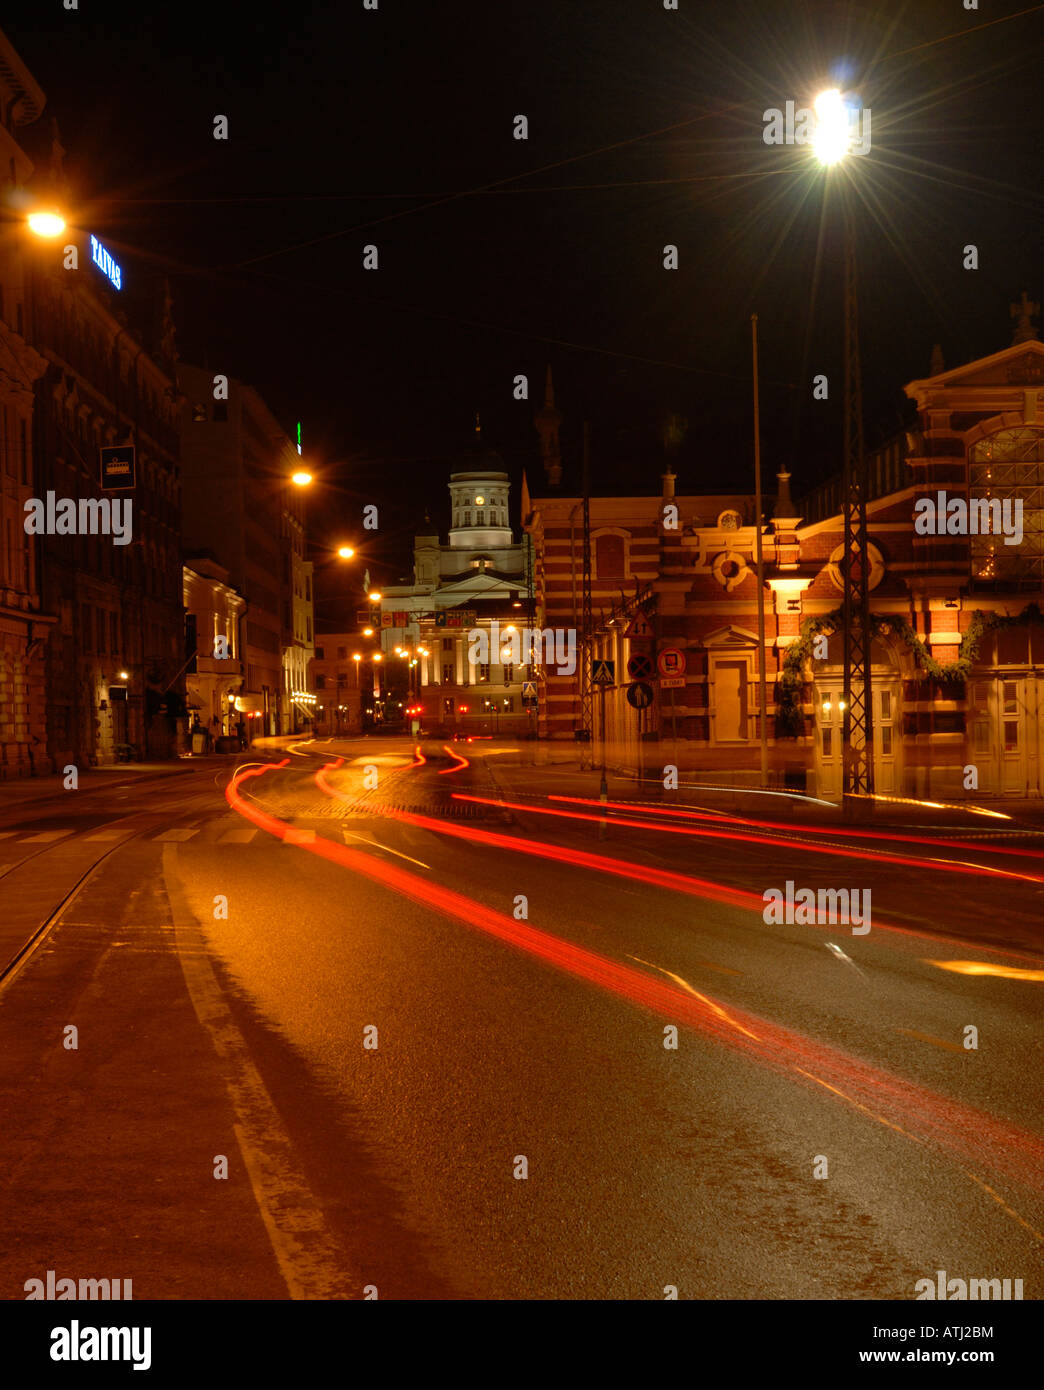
[(237, 837), (172, 836), (6, 834), (106, 835), (44, 837)]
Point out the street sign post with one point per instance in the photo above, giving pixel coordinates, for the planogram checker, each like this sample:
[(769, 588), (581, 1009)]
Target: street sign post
[(529, 692), (603, 672)]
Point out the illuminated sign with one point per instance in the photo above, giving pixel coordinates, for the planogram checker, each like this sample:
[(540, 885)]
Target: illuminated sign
[(105, 263)]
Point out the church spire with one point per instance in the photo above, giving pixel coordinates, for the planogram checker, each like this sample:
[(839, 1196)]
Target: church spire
[(547, 422)]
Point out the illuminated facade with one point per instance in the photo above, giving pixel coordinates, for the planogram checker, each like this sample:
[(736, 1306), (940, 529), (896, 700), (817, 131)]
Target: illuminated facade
[(958, 659), (478, 577)]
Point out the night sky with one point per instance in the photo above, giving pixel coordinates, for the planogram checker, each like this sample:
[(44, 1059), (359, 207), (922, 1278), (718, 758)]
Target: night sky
[(498, 256)]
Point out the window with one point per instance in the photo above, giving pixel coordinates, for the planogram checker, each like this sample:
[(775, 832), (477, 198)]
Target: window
[(484, 671), (447, 673), (466, 519), (221, 410), (509, 673), (609, 557), (320, 653), (342, 653), (199, 412), (1009, 466), (308, 629), (480, 518)]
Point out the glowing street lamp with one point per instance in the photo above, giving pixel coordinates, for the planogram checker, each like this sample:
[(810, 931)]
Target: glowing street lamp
[(301, 478), (832, 136), (46, 224), (345, 552), (375, 597)]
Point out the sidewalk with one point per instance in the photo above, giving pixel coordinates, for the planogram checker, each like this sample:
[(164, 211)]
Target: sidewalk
[(29, 792)]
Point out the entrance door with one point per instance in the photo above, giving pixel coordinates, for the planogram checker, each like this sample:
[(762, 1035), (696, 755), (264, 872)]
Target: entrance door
[(730, 701), (830, 709), (1003, 712)]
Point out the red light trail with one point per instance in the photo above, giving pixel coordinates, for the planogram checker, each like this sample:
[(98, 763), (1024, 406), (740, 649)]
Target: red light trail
[(461, 762), (644, 809), (973, 1134), (947, 866)]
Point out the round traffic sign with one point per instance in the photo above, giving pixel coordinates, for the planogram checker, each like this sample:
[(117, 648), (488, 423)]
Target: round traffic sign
[(640, 695), (639, 666), (671, 662)]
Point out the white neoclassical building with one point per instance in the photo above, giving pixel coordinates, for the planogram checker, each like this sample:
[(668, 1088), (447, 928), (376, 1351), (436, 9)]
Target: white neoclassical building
[(478, 576)]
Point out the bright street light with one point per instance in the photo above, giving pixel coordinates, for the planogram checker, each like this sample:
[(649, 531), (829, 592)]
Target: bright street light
[(832, 134), (46, 223), (367, 631), (301, 478), (345, 552), (375, 597)]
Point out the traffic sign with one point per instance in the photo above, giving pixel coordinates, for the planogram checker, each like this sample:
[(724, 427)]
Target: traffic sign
[(640, 628), (640, 695), (117, 467), (672, 682), (639, 666), (671, 662), (603, 672), (529, 692)]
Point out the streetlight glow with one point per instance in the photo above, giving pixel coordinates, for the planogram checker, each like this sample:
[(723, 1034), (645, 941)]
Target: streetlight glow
[(832, 135), (46, 223), (345, 552), (301, 478), (375, 597)]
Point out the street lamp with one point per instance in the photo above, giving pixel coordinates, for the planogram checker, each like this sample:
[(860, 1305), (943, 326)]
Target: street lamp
[(831, 142), (375, 597), (302, 478), (345, 552), (46, 223)]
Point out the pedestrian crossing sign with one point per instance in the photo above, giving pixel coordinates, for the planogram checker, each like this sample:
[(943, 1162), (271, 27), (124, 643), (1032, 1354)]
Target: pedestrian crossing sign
[(603, 672)]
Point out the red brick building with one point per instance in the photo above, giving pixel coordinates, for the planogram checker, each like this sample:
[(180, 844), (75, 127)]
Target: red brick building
[(958, 659)]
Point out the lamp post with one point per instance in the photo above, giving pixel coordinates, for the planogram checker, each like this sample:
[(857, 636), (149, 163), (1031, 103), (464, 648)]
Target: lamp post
[(831, 143)]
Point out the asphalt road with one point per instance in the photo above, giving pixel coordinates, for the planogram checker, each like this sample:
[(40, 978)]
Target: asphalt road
[(516, 1127)]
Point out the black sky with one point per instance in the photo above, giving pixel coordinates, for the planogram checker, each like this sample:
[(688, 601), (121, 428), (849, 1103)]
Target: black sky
[(350, 126)]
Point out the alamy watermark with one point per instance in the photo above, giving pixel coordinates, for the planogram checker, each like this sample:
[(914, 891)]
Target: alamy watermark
[(969, 516), (809, 908), (88, 516), (845, 125), (548, 646)]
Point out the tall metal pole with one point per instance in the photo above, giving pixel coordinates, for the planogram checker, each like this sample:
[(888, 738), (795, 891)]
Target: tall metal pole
[(762, 694), (857, 729), (587, 623)]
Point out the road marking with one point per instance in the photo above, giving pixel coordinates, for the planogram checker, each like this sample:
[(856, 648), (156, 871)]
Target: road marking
[(45, 837), (105, 835), (310, 1259), (697, 995), (927, 1037), (375, 844), (980, 967), (236, 837), (294, 836), (175, 836), (6, 834)]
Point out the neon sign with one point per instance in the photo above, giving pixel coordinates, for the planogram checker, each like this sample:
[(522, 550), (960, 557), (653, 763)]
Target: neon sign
[(105, 263)]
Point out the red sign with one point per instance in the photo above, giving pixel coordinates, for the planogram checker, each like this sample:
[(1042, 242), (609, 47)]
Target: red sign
[(671, 662)]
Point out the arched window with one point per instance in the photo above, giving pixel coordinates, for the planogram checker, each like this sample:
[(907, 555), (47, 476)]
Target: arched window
[(1007, 467), (610, 557)]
